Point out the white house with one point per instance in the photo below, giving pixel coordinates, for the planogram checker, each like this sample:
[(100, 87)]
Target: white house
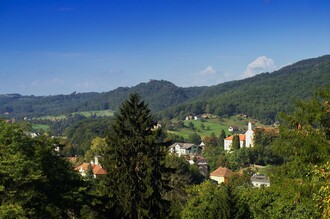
[(260, 180), (246, 140), (184, 149), (229, 140)]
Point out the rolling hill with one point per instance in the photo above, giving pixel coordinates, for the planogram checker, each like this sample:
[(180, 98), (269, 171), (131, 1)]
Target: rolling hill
[(262, 96)]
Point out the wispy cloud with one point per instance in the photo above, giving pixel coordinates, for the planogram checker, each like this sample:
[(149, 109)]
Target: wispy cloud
[(209, 70), (260, 64), (205, 77)]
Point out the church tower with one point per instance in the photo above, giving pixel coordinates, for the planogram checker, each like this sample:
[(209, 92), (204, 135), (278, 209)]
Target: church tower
[(249, 136)]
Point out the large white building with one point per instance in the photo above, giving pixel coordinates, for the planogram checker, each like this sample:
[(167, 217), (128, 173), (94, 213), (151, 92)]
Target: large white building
[(246, 140), (185, 149)]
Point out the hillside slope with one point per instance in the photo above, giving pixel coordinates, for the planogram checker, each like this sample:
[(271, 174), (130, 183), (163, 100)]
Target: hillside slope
[(262, 96), (158, 94)]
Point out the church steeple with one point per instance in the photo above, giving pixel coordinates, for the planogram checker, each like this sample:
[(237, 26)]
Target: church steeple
[(250, 126), (249, 135)]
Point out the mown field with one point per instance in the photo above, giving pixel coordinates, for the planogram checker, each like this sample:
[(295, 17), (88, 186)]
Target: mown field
[(43, 127), (107, 113), (40, 127), (205, 127)]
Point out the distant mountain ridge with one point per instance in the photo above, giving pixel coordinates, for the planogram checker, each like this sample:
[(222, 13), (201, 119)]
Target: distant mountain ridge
[(261, 96), (158, 94), (264, 95)]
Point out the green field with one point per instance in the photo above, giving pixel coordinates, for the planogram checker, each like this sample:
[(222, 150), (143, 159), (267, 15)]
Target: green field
[(107, 113), (214, 125), (40, 127)]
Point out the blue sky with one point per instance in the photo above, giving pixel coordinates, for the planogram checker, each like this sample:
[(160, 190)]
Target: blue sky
[(58, 47)]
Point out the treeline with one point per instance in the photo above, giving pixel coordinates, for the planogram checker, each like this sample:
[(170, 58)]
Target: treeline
[(263, 96), (158, 94), (19, 106)]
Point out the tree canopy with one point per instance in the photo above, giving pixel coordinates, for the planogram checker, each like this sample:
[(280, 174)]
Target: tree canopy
[(135, 164), (34, 181)]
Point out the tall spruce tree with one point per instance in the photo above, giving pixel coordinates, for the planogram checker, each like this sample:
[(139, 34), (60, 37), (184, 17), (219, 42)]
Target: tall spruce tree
[(135, 162), (235, 143), (222, 138)]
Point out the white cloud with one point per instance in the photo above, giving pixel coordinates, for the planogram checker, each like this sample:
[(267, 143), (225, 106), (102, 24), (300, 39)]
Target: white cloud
[(260, 64), (206, 77), (208, 71)]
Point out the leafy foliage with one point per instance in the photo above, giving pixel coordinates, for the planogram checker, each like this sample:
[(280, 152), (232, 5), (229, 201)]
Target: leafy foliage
[(207, 200), (34, 181)]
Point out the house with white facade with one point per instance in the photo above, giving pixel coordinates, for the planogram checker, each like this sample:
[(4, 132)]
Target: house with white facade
[(260, 180), (246, 140), (185, 149)]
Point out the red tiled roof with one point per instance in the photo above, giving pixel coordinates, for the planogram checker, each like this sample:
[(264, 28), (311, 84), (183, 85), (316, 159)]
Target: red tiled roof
[(241, 137), (221, 172), (84, 166), (97, 169)]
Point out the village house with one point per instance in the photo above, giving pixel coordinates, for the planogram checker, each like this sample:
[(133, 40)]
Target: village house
[(191, 118), (260, 180), (246, 140), (96, 168), (185, 149), (221, 175), (203, 166)]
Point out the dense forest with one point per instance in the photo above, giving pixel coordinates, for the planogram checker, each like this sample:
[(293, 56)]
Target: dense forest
[(262, 96), (143, 180), (158, 94)]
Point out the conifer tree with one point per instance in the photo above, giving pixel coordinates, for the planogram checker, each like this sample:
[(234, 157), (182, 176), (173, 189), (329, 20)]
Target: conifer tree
[(222, 138), (235, 143), (134, 162)]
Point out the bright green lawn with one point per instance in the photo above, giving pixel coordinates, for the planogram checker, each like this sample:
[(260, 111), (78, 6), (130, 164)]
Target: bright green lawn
[(213, 125), (40, 127)]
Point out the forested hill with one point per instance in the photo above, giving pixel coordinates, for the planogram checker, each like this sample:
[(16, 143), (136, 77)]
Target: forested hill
[(158, 94), (262, 96)]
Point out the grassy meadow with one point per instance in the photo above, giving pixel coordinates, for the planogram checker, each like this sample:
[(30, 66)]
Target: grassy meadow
[(205, 127), (98, 113)]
